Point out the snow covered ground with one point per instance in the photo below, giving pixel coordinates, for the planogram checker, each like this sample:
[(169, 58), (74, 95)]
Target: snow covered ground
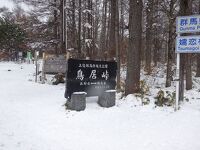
[(33, 117)]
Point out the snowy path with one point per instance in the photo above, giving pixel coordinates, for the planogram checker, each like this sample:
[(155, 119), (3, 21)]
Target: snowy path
[(32, 117)]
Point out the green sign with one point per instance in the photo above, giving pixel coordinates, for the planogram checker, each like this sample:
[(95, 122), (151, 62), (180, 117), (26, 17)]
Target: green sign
[(29, 55)]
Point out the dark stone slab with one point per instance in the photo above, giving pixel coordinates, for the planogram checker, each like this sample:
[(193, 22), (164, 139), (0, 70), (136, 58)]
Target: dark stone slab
[(107, 99), (90, 76)]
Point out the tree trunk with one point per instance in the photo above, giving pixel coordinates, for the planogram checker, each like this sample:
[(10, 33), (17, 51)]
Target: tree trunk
[(79, 27), (73, 25), (184, 10), (84, 21), (96, 21), (198, 66), (188, 72), (149, 13), (108, 31), (189, 57), (121, 28), (155, 34), (181, 77), (198, 57), (170, 46), (89, 29), (103, 31), (63, 27), (112, 40), (117, 46), (133, 58), (56, 27)]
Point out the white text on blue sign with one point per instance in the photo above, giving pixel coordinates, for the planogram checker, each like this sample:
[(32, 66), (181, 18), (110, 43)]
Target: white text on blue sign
[(187, 24), (188, 44)]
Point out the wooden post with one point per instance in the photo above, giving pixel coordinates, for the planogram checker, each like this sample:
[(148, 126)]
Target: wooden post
[(36, 66), (67, 55), (43, 73)]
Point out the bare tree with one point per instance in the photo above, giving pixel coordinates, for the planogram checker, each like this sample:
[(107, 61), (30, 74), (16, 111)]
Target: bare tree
[(198, 66), (184, 10), (149, 22), (135, 37), (103, 30), (170, 43), (117, 38), (79, 26), (112, 37), (198, 57)]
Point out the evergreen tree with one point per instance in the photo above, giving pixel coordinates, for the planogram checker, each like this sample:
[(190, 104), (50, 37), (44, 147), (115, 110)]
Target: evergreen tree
[(11, 35)]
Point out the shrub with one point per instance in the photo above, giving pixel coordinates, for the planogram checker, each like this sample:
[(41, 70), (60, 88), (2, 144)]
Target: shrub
[(144, 89), (162, 100)]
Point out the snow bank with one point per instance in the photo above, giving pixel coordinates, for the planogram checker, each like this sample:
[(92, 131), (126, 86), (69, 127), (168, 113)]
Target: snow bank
[(33, 117)]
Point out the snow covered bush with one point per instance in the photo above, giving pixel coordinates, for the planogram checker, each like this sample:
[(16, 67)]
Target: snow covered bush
[(144, 90), (162, 100)]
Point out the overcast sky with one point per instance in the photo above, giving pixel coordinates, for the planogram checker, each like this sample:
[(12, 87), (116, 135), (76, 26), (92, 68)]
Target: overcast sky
[(7, 3)]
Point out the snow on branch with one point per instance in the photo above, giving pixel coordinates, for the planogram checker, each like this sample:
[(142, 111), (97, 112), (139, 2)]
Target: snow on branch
[(87, 25)]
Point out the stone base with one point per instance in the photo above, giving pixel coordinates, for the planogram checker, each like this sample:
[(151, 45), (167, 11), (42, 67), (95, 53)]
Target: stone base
[(107, 99), (77, 101)]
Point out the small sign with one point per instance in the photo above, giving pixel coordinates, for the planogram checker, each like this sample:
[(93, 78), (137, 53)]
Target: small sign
[(20, 54), (29, 55), (188, 24), (37, 53), (188, 44), (92, 77), (52, 66)]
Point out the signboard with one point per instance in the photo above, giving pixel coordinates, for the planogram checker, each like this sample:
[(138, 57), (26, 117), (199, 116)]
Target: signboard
[(37, 53), (92, 77), (52, 66), (188, 24), (188, 44), (20, 54), (29, 55)]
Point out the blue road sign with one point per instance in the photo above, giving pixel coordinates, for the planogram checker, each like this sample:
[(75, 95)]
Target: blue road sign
[(188, 24), (188, 44)]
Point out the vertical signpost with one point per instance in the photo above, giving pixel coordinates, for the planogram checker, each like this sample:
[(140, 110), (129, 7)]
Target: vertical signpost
[(20, 56), (186, 44), (36, 64), (29, 57)]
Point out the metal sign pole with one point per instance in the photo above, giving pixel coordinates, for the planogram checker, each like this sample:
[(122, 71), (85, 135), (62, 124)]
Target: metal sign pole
[(43, 73), (36, 66), (177, 80)]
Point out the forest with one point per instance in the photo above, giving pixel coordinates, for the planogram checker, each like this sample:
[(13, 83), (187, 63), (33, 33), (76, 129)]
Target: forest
[(137, 34)]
